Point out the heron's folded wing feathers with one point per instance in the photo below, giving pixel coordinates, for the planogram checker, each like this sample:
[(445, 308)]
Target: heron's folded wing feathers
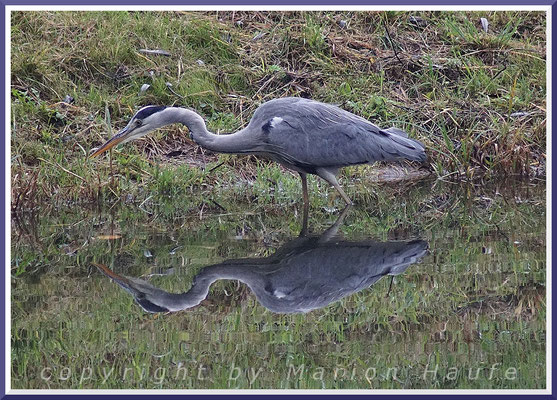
[(322, 135)]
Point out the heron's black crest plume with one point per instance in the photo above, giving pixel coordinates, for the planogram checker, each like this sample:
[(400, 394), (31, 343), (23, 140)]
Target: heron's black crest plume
[(147, 111), (267, 127)]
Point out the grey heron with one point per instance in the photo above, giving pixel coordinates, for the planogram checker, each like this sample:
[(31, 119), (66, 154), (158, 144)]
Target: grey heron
[(307, 273), (303, 135)]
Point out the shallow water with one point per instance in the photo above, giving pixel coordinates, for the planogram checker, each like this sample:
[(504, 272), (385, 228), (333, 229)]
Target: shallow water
[(430, 286)]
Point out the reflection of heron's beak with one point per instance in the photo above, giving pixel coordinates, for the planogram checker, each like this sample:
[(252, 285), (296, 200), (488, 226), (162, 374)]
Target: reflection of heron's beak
[(111, 143), (119, 279), (144, 293)]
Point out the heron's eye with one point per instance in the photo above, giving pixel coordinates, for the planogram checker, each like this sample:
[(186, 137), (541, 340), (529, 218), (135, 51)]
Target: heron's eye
[(138, 122)]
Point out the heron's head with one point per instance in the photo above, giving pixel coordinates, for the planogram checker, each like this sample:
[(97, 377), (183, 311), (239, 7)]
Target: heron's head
[(144, 121), (150, 298)]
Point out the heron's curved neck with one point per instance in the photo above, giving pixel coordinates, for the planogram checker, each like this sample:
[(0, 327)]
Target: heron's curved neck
[(231, 143), (206, 277), (183, 301)]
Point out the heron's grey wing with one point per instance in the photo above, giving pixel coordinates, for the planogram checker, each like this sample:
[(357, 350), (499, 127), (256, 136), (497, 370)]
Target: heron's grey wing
[(313, 278), (312, 134)]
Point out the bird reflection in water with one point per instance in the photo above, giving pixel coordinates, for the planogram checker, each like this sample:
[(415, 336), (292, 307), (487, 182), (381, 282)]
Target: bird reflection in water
[(307, 273)]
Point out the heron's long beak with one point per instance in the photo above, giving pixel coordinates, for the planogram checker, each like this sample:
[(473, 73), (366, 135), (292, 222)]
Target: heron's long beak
[(111, 142), (139, 289)]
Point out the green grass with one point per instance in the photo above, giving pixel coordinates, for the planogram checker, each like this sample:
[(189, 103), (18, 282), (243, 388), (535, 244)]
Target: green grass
[(475, 99)]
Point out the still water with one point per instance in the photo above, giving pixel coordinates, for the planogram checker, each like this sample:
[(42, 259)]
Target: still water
[(430, 285)]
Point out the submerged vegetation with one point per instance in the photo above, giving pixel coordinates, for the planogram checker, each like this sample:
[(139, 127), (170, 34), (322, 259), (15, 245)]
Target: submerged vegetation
[(475, 303), (476, 99)]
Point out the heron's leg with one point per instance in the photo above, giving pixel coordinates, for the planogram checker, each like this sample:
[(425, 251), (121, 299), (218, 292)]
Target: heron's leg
[(344, 196), (333, 230), (390, 286), (332, 179), (304, 178)]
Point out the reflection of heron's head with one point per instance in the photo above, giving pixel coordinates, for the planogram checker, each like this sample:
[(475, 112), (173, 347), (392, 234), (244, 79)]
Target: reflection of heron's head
[(146, 295), (144, 121)]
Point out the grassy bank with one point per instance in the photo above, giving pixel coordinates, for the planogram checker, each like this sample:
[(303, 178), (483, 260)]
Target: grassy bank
[(476, 99)]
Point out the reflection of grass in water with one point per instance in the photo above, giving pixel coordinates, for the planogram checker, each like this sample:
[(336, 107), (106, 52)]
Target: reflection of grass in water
[(477, 300)]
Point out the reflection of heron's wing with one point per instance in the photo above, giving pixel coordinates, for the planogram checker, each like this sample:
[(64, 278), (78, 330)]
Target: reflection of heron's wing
[(315, 278)]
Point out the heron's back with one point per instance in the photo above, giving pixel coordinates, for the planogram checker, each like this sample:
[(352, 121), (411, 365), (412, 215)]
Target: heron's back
[(319, 275), (309, 135)]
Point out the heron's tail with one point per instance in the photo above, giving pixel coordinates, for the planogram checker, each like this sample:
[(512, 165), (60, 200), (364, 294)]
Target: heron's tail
[(410, 149)]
